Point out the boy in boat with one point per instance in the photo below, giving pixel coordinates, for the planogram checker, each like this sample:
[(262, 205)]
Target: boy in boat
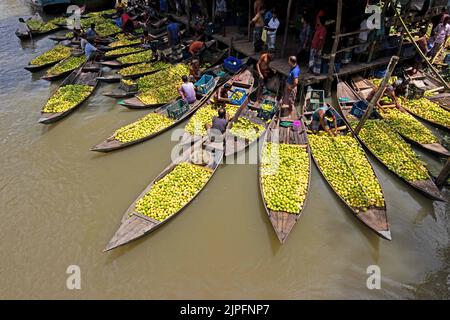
[(91, 34), (321, 117), (194, 70), (187, 91), (222, 93), (23, 27)]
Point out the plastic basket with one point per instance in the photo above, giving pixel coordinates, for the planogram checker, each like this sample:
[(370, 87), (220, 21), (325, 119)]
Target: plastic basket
[(177, 109), (267, 114), (205, 84), (241, 100), (358, 109), (232, 64)]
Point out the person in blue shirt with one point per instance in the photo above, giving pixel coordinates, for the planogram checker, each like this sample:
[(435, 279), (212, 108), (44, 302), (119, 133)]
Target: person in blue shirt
[(290, 91), (268, 16), (91, 34), (174, 34), (163, 6)]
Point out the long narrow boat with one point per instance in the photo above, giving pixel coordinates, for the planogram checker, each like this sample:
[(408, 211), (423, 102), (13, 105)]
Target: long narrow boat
[(117, 64), (135, 224), (282, 218), (441, 126), (426, 186), (235, 143), (53, 56), (50, 76), (442, 99), (77, 77), (112, 143), (244, 81), (35, 34), (435, 148), (370, 209)]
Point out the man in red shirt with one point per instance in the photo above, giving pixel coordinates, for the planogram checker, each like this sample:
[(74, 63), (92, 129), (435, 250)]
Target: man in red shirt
[(318, 41), (196, 47)]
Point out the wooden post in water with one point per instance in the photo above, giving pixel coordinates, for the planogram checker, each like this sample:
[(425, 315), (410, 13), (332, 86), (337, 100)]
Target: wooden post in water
[(443, 175), (378, 94), (420, 51), (334, 49), (283, 49)]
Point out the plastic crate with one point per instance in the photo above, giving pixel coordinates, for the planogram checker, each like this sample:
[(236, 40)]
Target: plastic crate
[(177, 109), (358, 109), (267, 114), (205, 84), (232, 64), (241, 100)]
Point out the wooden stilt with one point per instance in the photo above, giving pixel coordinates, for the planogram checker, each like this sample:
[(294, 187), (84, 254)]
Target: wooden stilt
[(288, 14), (334, 49), (443, 175)]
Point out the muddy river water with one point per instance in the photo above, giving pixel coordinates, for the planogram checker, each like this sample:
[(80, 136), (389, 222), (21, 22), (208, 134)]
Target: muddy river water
[(60, 204)]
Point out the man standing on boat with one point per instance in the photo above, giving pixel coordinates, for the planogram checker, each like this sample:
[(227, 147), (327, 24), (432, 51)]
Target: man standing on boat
[(290, 91), (187, 91), (264, 71)]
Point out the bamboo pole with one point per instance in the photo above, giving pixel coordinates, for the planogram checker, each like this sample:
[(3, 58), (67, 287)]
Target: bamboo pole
[(444, 174), (378, 94), (420, 51), (334, 49), (283, 49)]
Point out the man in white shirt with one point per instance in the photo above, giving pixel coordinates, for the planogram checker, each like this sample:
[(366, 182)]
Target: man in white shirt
[(23, 28), (272, 28)]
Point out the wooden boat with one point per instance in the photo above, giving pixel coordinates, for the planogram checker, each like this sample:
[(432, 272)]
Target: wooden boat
[(35, 68), (283, 222), (52, 77), (118, 55), (35, 34), (374, 217), (78, 76), (442, 99), (434, 148), (234, 144), (242, 80), (111, 144), (113, 64), (433, 123), (427, 187), (135, 225)]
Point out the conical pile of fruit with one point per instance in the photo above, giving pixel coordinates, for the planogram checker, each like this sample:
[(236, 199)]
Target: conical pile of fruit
[(392, 150), (143, 68), (173, 192), (66, 65), (246, 129), (67, 97), (55, 54), (203, 116), (122, 51), (150, 124), (428, 110), (345, 166), (285, 176), (162, 86), (136, 57), (408, 126)]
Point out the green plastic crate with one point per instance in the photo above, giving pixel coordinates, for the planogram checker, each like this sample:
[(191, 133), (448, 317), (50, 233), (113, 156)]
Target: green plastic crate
[(177, 109)]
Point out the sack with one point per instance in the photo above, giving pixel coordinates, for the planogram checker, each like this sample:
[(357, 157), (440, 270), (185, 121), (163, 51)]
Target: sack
[(264, 36)]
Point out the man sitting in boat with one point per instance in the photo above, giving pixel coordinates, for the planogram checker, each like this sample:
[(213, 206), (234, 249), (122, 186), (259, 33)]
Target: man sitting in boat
[(222, 93), (399, 87), (90, 51), (196, 47), (127, 23), (218, 125), (187, 90), (194, 70), (23, 27), (321, 118)]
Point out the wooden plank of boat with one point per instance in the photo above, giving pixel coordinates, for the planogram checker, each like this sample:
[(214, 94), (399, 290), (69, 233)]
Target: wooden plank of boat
[(110, 78), (234, 144), (284, 222), (35, 68), (374, 217), (427, 187), (78, 76), (111, 144), (135, 225)]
